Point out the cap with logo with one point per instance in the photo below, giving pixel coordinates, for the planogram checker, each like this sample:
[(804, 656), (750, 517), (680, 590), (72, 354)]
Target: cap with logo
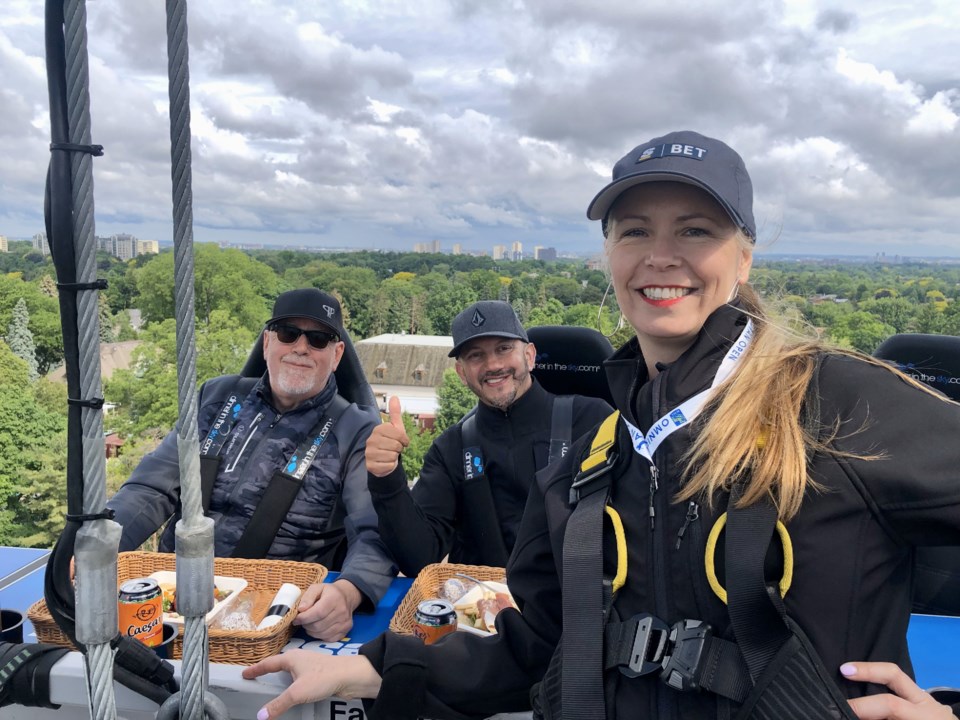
[(487, 318), (312, 304), (686, 157)]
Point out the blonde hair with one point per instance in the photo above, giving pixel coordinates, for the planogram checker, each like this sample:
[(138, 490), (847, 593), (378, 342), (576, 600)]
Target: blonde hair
[(755, 430)]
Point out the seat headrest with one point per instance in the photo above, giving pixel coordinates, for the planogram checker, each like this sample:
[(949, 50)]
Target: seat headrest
[(570, 360), (932, 359), (352, 384)]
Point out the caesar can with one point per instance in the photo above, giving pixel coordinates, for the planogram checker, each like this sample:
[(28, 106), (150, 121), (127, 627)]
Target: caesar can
[(433, 620), (140, 610)]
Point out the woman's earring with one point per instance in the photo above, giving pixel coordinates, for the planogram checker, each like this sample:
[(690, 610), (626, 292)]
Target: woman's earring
[(600, 315)]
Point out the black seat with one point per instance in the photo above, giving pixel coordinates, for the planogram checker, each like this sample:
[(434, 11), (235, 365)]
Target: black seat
[(934, 360), (352, 384), (570, 360)]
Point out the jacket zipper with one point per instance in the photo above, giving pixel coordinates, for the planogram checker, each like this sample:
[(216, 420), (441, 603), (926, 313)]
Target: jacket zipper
[(243, 448), (693, 512), (693, 524), (700, 590), (664, 705)]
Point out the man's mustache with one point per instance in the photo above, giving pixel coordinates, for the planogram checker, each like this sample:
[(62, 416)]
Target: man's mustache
[(298, 359)]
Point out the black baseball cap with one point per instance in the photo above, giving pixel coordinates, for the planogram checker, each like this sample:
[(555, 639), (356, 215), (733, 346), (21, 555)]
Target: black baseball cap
[(686, 157), (487, 318), (312, 304)]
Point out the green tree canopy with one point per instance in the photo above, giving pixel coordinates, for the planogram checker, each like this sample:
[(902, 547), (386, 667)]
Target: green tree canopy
[(20, 339), (455, 400), (44, 318), (227, 280)]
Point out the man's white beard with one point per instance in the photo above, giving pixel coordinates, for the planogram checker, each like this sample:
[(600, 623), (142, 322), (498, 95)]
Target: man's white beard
[(295, 381)]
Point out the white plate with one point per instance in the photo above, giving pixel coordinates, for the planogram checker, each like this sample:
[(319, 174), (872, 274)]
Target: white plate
[(233, 584)]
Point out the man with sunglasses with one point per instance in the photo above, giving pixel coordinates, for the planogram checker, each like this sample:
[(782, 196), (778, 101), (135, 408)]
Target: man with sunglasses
[(282, 460)]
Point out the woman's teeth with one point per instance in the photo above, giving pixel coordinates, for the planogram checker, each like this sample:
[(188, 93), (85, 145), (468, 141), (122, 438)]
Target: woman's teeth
[(665, 293)]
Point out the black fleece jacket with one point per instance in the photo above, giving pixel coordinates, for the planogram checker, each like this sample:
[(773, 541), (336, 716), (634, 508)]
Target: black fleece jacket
[(422, 525), (852, 543)]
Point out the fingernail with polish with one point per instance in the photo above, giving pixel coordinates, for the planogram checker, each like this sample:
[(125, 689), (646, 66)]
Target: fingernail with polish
[(263, 714), (847, 669)]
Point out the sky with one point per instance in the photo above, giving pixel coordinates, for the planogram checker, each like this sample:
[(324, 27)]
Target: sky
[(378, 124)]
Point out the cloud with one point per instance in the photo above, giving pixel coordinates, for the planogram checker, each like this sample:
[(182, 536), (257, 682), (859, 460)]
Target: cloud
[(383, 123)]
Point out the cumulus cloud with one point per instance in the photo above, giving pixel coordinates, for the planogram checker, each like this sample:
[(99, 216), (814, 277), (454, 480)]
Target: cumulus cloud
[(379, 123)]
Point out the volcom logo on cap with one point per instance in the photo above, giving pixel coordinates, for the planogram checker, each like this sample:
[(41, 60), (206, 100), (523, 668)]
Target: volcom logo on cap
[(478, 319), (673, 150), (329, 310)]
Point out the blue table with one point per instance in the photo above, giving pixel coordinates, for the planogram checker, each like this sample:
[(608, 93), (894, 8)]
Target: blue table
[(21, 581), (366, 626)]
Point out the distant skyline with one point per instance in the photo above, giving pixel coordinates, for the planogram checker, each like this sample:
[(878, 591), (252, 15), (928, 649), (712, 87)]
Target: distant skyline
[(377, 124)]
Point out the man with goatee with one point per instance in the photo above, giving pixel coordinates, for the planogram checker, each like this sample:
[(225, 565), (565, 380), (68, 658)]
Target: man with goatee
[(469, 498)]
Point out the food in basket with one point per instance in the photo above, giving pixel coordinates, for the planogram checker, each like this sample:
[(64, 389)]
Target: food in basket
[(225, 592), (170, 596), (455, 588), (477, 609)]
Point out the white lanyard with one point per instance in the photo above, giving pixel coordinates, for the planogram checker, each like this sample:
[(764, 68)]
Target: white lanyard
[(647, 444)]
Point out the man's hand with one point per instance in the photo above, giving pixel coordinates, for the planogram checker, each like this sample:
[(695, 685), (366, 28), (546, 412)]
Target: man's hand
[(907, 702), (386, 442), (316, 676), (326, 609)]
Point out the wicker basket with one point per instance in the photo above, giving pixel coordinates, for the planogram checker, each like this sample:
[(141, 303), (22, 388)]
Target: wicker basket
[(238, 647), (427, 586)]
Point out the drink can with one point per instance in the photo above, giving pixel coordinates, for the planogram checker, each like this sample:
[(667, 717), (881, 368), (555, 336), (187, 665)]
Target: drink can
[(433, 620), (140, 610)]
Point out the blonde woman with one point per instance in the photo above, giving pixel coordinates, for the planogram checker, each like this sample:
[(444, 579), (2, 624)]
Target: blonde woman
[(736, 541)]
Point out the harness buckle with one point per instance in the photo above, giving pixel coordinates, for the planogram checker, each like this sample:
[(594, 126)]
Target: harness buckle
[(648, 647), (681, 666), (587, 483)]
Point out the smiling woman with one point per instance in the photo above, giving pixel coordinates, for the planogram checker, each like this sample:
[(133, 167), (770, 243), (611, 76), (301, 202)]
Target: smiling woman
[(694, 523)]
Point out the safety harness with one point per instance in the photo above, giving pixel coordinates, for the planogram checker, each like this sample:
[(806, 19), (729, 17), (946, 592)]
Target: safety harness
[(284, 484), (480, 514), (770, 671)]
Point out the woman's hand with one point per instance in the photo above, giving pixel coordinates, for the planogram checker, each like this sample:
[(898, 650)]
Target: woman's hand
[(316, 676), (907, 702)]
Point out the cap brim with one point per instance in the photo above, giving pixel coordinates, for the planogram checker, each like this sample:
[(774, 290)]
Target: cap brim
[(601, 204), (456, 348), (320, 321)]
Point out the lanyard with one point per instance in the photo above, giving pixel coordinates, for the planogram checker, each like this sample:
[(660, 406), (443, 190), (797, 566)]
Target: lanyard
[(647, 444)]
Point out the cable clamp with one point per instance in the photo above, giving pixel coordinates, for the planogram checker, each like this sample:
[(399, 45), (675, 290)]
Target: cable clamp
[(107, 514), (95, 403), (98, 284), (95, 150)]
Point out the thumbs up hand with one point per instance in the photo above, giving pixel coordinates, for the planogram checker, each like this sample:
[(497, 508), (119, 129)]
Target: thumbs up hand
[(386, 442)]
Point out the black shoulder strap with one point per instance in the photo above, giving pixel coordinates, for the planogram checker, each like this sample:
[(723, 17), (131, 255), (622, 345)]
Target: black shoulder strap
[(473, 459), (231, 390), (284, 485), (757, 614), (561, 427), (481, 523)]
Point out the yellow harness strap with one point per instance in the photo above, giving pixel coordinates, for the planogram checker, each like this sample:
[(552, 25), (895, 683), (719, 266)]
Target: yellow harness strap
[(603, 441), (621, 537), (709, 558)]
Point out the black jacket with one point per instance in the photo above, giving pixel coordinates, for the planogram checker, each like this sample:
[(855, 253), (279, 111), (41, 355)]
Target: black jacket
[(437, 517), (852, 542), (265, 440)]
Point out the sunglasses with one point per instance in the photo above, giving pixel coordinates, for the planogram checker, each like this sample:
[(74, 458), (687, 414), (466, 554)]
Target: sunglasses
[(289, 334)]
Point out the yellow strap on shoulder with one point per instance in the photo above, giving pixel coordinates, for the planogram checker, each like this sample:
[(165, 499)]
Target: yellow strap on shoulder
[(621, 538), (709, 558), (605, 439)]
